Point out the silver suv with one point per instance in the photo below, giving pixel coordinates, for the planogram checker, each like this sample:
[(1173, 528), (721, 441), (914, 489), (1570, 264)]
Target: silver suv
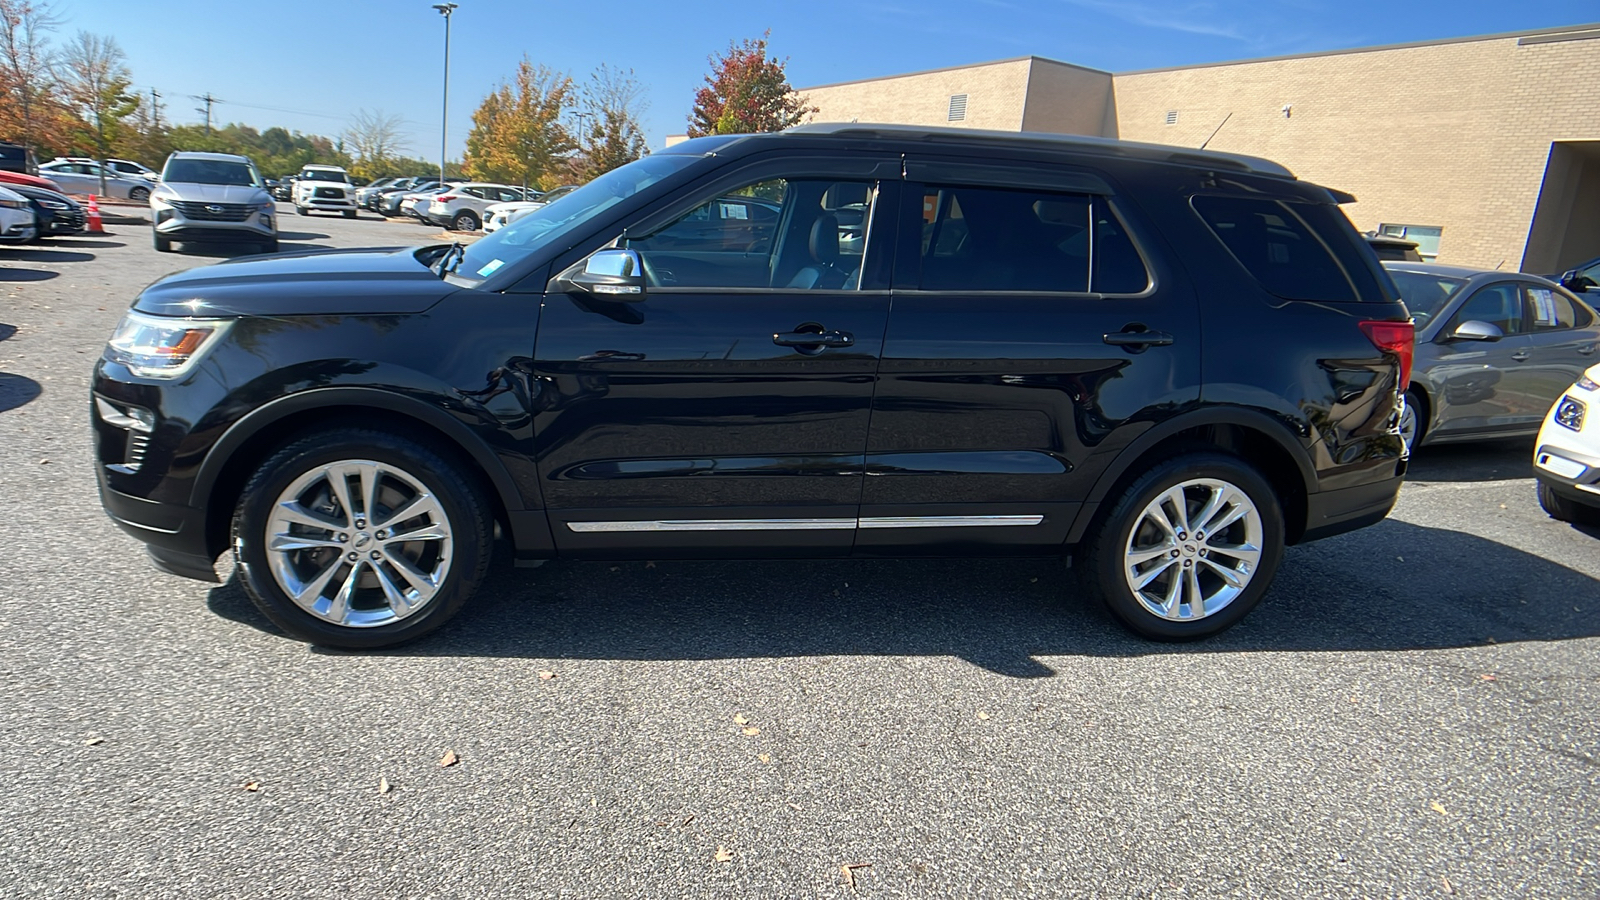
[(213, 197)]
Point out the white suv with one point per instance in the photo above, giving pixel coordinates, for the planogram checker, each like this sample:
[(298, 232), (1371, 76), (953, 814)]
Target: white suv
[(326, 188), (1566, 457)]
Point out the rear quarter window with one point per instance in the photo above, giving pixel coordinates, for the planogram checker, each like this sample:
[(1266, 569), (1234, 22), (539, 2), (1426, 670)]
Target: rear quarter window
[(1276, 244)]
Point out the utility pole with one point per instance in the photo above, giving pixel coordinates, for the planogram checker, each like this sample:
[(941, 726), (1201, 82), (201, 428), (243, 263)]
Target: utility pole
[(445, 9), (155, 109), (207, 100)]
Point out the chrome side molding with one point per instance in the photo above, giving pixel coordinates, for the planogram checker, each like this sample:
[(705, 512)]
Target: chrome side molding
[(803, 524)]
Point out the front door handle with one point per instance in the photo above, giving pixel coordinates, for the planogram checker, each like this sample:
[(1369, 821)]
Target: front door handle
[(1138, 339), (1520, 356), (1586, 349), (813, 339)]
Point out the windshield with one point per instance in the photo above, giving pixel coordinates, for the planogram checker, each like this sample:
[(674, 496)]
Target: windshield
[(210, 171), (1425, 294), (321, 175), (551, 222)]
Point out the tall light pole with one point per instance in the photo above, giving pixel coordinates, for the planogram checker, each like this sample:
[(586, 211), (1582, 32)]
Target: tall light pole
[(445, 9)]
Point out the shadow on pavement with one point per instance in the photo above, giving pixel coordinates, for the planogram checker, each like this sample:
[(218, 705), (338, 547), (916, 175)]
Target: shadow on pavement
[(301, 236), (82, 241), (1483, 461), (7, 273), (7, 331), (1351, 593), (37, 253), (235, 251), (15, 390)]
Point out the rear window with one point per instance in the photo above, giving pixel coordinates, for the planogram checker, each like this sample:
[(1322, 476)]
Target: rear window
[(1272, 240)]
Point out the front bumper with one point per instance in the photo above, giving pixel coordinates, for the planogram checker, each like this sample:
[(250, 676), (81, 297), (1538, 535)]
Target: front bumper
[(20, 234), (174, 535), (171, 223)]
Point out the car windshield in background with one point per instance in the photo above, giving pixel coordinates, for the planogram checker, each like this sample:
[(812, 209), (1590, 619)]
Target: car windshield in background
[(553, 220), (1425, 294), (209, 171), (319, 175)]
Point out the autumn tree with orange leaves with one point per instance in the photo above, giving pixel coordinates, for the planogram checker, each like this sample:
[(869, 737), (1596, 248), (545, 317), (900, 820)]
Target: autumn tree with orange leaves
[(746, 92)]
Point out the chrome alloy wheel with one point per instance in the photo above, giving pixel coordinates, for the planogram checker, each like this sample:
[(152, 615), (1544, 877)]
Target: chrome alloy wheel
[(1408, 423), (359, 543), (1193, 549)]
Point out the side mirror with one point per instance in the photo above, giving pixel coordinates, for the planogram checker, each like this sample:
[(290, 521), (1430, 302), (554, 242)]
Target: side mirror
[(1475, 330), (616, 275), (1576, 283)]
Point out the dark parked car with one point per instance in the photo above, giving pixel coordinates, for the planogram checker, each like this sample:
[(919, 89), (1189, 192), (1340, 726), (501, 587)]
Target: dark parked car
[(284, 189), (1167, 363), (1387, 247), (1494, 350), (56, 213)]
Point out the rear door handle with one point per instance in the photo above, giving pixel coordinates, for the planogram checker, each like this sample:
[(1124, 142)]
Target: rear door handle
[(1138, 339), (1586, 349), (813, 339), (1520, 356)]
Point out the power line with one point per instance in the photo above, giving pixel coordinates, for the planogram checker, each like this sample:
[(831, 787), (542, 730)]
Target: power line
[(207, 99)]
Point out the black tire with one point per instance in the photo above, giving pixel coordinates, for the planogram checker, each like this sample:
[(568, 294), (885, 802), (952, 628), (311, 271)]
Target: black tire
[(269, 246), (139, 194), (466, 220), (1563, 509), (1417, 406), (1103, 558), (464, 554), (299, 210), (349, 214), (162, 245)]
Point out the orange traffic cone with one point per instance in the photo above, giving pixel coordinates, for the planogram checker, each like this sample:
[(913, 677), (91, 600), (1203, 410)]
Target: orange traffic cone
[(95, 226)]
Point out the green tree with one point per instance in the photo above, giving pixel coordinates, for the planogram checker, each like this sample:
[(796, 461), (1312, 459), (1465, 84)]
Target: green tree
[(746, 92), (518, 135), (611, 135)]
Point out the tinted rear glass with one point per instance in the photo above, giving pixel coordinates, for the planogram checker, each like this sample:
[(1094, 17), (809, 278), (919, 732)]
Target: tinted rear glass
[(1271, 240)]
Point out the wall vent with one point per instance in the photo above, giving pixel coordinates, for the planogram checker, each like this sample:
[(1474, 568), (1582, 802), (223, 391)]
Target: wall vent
[(958, 107), (1172, 117)]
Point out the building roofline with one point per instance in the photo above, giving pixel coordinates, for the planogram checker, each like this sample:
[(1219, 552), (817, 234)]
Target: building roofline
[(978, 65), (1578, 32)]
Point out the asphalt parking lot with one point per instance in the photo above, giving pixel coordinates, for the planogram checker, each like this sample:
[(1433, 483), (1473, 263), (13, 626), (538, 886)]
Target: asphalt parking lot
[(1412, 712)]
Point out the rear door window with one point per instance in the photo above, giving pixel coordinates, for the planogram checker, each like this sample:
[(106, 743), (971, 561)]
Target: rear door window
[(1002, 239), (1272, 240)]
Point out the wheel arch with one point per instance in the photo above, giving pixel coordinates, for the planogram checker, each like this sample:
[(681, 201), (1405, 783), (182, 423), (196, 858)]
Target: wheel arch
[(1252, 436), (230, 462)]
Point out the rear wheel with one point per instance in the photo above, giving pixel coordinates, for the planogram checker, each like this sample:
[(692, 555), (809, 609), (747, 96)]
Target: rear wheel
[(1188, 549), (360, 539), (1565, 510), (466, 220), (349, 214), (162, 245), (1413, 419)]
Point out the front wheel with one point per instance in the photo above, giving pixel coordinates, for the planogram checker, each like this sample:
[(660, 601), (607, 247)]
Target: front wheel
[(1188, 549), (299, 210), (349, 214), (162, 245), (360, 539), (139, 194), (1564, 510)]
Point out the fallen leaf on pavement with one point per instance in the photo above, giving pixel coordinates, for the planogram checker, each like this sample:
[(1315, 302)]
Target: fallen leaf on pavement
[(1486, 677), (687, 820), (763, 757), (252, 786), (546, 675), (750, 732), (848, 870), (984, 716), (448, 759), (739, 719), (92, 741), (723, 854), (1448, 887), (1438, 807), (383, 786)]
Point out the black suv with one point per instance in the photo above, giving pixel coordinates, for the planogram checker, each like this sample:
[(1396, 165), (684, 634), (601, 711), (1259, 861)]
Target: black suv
[(1167, 363)]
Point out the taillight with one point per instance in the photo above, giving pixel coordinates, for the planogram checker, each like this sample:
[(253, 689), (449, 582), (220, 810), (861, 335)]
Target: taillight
[(446, 198), (1399, 338)]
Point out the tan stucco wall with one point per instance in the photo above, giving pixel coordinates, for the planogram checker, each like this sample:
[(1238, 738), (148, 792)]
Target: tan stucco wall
[(1454, 135), (1066, 99), (996, 94)]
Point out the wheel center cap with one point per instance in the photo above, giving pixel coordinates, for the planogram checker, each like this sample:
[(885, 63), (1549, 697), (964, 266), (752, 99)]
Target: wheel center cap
[(362, 540), (1187, 548)]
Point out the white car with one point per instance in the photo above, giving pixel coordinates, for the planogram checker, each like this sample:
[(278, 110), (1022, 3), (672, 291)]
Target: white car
[(83, 177), (463, 208), (325, 188), (18, 224), (1566, 457), (499, 215)]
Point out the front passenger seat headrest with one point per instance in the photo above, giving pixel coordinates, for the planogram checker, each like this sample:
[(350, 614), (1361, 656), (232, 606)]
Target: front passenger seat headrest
[(825, 239)]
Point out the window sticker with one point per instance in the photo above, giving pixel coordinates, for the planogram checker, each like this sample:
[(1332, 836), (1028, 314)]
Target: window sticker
[(1544, 306), (490, 267), (734, 211)]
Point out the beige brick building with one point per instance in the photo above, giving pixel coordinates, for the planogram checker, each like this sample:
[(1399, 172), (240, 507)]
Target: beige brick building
[(1485, 149)]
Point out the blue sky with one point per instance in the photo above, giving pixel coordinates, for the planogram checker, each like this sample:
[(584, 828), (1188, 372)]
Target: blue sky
[(309, 65)]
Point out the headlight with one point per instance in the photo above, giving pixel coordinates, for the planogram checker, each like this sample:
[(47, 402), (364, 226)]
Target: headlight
[(162, 347), (14, 204), (1569, 413), (1588, 384), (161, 198), (53, 204)]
